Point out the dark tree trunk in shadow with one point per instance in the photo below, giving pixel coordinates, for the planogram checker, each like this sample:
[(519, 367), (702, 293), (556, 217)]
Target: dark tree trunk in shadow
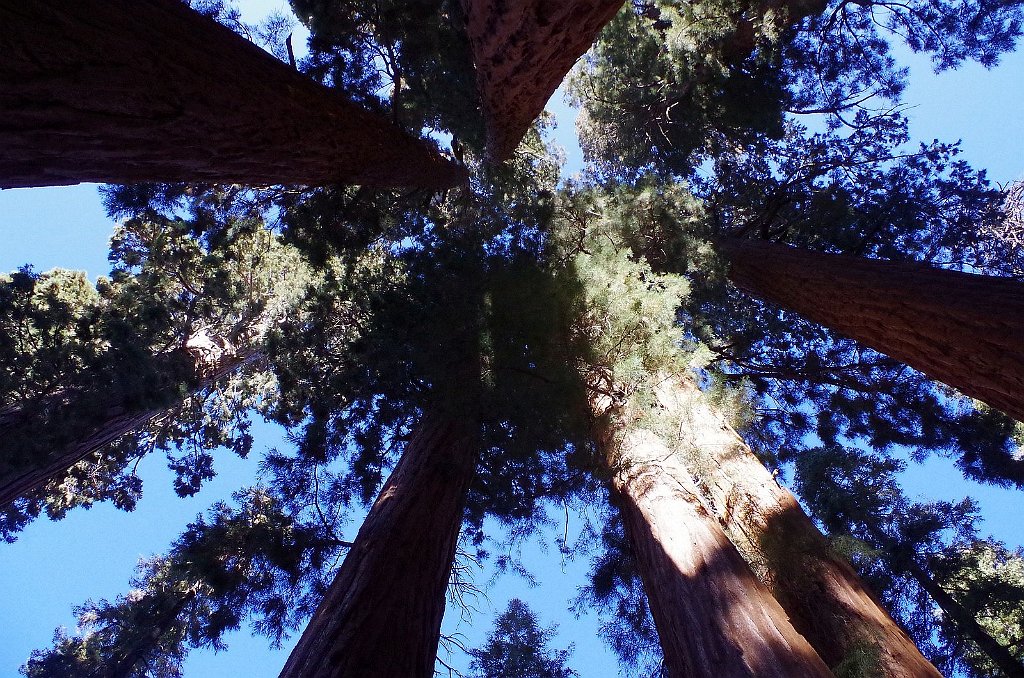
[(381, 618), (60, 437), (127, 91), (714, 618), (823, 596), (964, 330), (522, 51)]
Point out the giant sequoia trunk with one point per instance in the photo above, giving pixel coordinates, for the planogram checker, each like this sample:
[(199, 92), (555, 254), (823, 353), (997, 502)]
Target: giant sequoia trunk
[(148, 90), (59, 437), (714, 618), (381, 618), (522, 50), (964, 330), (822, 595), (964, 621)]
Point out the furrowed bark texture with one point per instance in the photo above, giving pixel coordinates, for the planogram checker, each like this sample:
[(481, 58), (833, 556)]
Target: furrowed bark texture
[(961, 329), (381, 617), (522, 50), (823, 596), (211, 360), (714, 618), (965, 622), (148, 90)]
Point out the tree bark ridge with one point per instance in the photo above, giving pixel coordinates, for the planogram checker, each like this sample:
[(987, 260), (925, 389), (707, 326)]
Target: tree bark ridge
[(126, 91), (522, 50), (823, 596), (381, 617), (714, 618), (962, 329)]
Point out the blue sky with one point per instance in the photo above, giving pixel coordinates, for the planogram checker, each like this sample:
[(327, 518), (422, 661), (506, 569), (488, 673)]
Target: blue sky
[(92, 554)]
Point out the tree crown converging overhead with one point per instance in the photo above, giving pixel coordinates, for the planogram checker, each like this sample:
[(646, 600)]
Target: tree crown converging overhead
[(547, 335)]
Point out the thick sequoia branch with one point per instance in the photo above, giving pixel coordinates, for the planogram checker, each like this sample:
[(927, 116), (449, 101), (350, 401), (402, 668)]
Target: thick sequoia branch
[(714, 618), (962, 329), (381, 618), (823, 596), (522, 50), (148, 90), (68, 440)]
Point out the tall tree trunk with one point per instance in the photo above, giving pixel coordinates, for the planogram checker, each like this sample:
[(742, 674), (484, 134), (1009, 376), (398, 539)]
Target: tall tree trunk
[(823, 596), (962, 329), (148, 90), (714, 618), (381, 618), (522, 51), (964, 621), (209, 360)]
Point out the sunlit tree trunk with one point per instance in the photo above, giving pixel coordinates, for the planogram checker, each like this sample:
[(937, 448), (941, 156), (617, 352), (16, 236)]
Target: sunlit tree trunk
[(964, 621), (522, 50), (381, 618), (126, 91), (822, 595), (714, 618), (964, 330), (207, 361)]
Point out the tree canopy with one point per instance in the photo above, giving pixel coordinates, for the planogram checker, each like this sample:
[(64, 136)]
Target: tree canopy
[(554, 323)]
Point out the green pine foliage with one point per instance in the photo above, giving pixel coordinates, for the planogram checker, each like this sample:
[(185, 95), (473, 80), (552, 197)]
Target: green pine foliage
[(511, 300), (671, 85), (987, 578), (408, 58), (81, 355), (518, 646), (662, 89), (255, 560), (896, 543)]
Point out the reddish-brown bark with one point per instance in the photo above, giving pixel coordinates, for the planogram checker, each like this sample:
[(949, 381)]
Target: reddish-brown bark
[(824, 598), (522, 50), (148, 90), (961, 329), (714, 618), (209, 361), (381, 618)]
